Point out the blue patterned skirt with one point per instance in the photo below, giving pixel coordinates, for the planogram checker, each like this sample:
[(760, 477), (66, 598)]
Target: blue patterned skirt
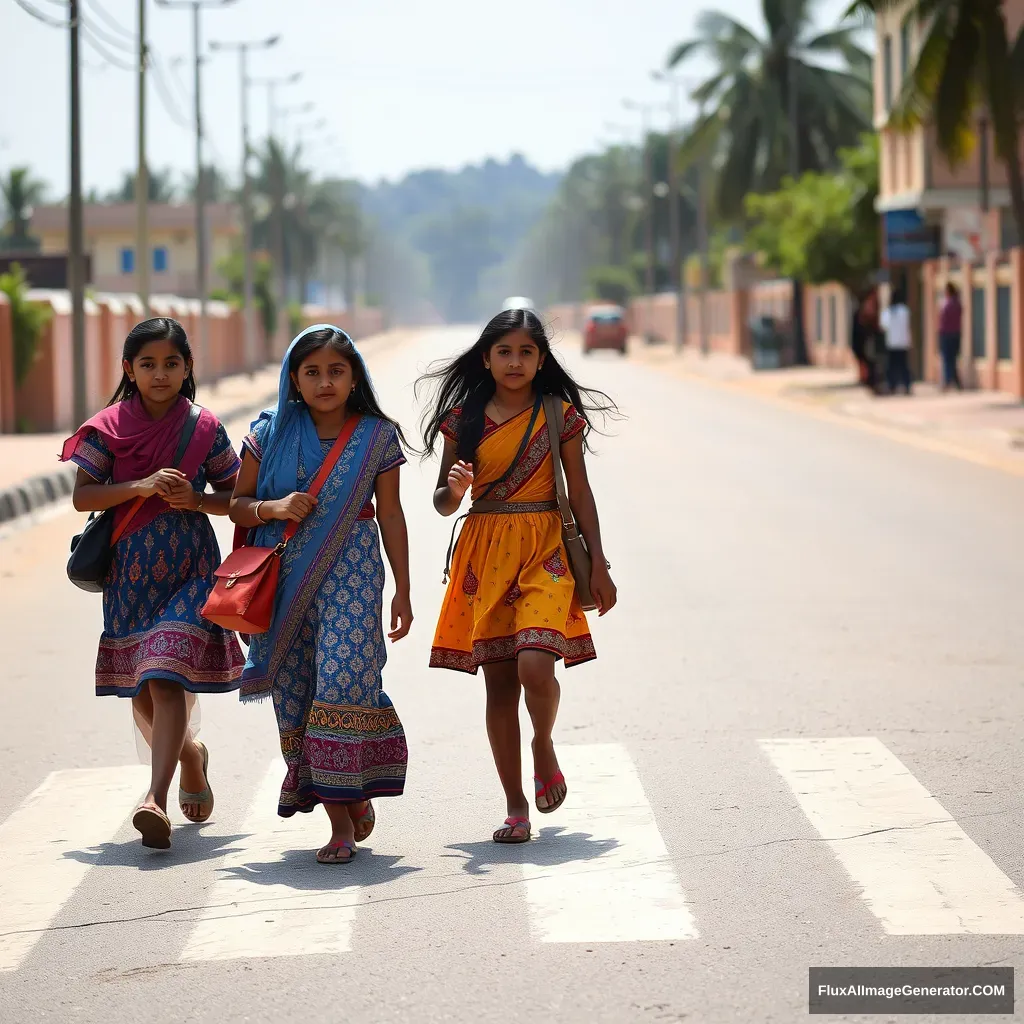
[(159, 580), (341, 737)]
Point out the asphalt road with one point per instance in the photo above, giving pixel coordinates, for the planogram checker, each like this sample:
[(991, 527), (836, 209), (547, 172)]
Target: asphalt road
[(799, 746)]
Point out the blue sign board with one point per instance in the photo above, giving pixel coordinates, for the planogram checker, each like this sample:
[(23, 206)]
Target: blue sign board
[(908, 239)]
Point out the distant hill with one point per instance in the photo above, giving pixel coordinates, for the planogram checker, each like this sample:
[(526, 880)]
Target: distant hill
[(465, 223)]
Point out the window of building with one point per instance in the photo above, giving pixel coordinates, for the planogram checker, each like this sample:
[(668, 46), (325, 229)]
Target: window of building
[(887, 72), (905, 50), (160, 260), (1004, 347), (127, 260), (978, 319)]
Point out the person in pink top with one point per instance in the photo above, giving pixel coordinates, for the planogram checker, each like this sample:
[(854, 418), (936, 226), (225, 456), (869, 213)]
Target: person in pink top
[(950, 331)]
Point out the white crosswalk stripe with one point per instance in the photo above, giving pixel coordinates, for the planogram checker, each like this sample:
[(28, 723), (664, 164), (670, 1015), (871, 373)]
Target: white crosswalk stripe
[(617, 884), (917, 869), (598, 871), (281, 909), (70, 813)]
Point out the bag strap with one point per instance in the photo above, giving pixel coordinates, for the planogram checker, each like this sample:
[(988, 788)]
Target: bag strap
[(554, 413), (519, 454), (494, 483), (327, 467), (187, 430)]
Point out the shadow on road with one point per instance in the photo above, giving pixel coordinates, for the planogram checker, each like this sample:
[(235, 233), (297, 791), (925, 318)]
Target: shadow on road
[(190, 846), (549, 847), (298, 869)]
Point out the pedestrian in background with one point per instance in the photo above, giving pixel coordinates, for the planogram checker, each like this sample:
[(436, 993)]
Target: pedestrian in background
[(155, 647), (322, 659), (898, 339), (866, 339), (512, 605), (950, 332)]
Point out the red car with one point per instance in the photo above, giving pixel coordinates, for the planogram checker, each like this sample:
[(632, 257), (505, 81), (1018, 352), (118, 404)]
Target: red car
[(605, 327)]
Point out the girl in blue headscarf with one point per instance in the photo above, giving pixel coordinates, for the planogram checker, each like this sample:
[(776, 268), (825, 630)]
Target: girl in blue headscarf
[(321, 661)]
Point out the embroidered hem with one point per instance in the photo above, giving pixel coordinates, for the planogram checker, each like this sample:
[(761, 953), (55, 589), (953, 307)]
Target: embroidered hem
[(189, 655), (573, 651)]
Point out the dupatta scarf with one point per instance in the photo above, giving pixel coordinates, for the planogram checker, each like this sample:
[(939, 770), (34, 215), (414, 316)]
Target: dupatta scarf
[(286, 434), (142, 445)]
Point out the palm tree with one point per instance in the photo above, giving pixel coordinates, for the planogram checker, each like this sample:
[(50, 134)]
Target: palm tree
[(20, 193), (966, 60), (160, 186), (747, 127)]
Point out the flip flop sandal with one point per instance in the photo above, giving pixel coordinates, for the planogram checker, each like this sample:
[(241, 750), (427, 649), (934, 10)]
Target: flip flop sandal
[(334, 848), (542, 788), (155, 827), (511, 824), (203, 799), (364, 823)]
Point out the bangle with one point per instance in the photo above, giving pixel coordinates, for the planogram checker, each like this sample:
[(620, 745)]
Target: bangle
[(202, 498), (256, 512)]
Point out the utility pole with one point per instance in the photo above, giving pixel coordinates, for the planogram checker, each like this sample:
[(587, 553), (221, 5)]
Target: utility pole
[(142, 178), (202, 241), (799, 341), (702, 243), (76, 263), (248, 287)]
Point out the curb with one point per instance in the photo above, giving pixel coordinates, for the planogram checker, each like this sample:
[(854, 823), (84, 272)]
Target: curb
[(48, 488)]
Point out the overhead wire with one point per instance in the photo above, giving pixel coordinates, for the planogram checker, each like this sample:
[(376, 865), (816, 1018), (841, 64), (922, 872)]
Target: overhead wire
[(39, 15)]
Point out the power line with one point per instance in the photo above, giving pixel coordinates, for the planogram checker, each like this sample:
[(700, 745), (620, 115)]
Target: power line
[(164, 93), (111, 21), (94, 42), (39, 16), (106, 37)]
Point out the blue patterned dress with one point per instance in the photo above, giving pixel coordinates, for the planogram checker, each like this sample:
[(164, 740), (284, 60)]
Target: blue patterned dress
[(341, 737), (160, 578)]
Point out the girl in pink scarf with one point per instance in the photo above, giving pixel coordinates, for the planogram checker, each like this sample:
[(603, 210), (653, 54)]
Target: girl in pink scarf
[(156, 648)]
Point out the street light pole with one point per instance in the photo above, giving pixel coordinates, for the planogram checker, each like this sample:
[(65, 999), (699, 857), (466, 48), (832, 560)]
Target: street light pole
[(799, 340), (202, 242), (142, 177), (76, 268), (248, 285)]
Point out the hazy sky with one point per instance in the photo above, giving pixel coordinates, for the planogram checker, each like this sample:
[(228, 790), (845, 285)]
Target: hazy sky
[(402, 84)]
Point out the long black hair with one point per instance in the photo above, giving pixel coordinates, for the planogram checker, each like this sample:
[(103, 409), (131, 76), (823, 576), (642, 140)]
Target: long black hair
[(466, 383), (160, 328), (364, 398)]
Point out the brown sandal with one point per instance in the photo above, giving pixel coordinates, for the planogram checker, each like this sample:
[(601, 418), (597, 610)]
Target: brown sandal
[(203, 800), (510, 827), (155, 827), (364, 823)]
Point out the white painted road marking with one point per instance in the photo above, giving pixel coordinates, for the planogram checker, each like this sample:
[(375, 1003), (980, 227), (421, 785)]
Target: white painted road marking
[(72, 811), (615, 885), (918, 871), (264, 905)]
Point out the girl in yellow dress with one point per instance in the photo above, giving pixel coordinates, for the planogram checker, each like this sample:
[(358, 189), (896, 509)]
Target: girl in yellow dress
[(511, 604)]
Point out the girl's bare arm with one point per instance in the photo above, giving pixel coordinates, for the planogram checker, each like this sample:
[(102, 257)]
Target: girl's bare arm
[(581, 497), (395, 537), (454, 479), (90, 495)]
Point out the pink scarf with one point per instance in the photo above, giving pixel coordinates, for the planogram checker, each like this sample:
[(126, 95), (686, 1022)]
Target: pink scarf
[(141, 445)]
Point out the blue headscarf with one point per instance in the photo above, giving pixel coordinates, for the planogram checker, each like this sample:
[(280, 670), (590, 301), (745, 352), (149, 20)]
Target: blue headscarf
[(292, 430)]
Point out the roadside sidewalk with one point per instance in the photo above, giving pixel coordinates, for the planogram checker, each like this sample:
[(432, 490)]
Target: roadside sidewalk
[(984, 427), (31, 476)]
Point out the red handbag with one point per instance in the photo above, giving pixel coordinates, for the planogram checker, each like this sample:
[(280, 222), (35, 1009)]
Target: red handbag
[(242, 599)]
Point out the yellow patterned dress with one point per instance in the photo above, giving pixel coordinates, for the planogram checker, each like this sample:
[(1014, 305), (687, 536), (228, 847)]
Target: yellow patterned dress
[(511, 588)]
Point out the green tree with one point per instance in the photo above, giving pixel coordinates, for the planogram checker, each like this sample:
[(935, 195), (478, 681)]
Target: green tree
[(27, 319), (232, 270), (217, 188), (20, 193), (967, 60), (746, 129), (822, 227)]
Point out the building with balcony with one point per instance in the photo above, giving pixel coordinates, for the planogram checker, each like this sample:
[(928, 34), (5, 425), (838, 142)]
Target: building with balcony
[(110, 243), (929, 208)]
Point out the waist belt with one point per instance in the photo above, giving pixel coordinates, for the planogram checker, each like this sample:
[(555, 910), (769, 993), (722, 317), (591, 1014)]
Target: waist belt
[(512, 507)]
